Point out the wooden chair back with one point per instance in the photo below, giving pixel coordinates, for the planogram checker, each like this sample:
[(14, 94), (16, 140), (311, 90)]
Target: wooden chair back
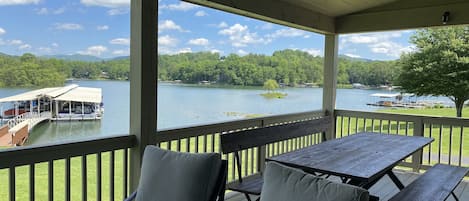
[(241, 140)]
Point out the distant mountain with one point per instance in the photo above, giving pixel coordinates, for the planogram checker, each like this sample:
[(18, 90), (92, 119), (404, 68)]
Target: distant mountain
[(74, 57), (355, 58), (119, 58)]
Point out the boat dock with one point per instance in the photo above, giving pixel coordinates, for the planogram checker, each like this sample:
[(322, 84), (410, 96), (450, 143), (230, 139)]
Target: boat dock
[(49, 104)]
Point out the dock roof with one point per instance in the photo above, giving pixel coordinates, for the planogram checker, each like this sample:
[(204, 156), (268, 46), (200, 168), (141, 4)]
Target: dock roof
[(82, 94), (27, 96), (67, 93)]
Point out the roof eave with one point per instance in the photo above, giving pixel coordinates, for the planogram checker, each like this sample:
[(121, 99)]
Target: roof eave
[(277, 12)]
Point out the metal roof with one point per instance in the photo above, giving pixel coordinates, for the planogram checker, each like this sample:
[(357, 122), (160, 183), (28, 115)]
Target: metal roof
[(82, 94), (30, 95), (60, 91), (66, 93)]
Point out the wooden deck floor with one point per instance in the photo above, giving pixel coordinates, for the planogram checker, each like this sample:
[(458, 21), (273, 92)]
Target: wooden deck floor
[(385, 189)]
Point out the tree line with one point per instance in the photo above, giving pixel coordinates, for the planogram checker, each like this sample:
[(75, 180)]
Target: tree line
[(30, 71), (289, 67)]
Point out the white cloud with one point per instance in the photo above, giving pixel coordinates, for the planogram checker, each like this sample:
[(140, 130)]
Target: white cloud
[(107, 3), (167, 40), (46, 11), (313, 52), (267, 26), (24, 47), (185, 50), (118, 11), (370, 37), (389, 48), (120, 41), (200, 13), (121, 52), (58, 11), (182, 6), (222, 25), (42, 11), (45, 50), (102, 28), (240, 36), (169, 25), (96, 50), (15, 42), (54, 45), (18, 2), (2, 31), (289, 32), (68, 26), (199, 41), (379, 43), (216, 51), (352, 55), (241, 52)]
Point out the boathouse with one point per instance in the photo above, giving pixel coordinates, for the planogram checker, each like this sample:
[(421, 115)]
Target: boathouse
[(28, 109)]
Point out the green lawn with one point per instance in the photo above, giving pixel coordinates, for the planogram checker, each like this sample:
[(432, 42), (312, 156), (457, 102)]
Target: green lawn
[(439, 112), (41, 178)]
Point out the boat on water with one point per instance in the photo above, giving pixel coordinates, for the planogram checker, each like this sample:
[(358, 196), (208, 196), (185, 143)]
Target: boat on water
[(402, 100), (70, 102)]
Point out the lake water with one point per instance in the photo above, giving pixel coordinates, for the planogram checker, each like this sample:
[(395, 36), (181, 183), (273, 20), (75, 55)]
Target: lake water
[(185, 105)]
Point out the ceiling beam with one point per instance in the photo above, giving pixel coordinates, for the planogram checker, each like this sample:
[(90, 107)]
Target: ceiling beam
[(404, 18), (274, 11)]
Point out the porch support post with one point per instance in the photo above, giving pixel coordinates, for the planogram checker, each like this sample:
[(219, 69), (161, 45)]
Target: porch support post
[(143, 72), (330, 79)]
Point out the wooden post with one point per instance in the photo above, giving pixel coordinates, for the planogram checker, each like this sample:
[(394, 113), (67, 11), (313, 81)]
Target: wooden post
[(330, 79), (417, 156), (143, 80), (261, 152)]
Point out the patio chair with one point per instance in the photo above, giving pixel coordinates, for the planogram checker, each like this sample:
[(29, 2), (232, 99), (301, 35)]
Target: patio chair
[(285, 183), (175, 176)]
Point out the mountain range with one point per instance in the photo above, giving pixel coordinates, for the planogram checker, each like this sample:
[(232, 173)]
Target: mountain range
[(90, 58)]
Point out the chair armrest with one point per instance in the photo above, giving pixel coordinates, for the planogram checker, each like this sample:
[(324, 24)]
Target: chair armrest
[(132, 196)]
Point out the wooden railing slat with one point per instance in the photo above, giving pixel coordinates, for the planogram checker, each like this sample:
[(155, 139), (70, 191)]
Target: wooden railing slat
[(32, 182)]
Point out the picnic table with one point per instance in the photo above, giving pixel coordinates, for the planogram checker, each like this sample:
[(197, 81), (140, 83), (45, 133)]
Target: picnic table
[(361, 159)]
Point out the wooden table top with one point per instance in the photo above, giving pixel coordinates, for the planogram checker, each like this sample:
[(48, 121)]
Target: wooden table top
[(364, 156)]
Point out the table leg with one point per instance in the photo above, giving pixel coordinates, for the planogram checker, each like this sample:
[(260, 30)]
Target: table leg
[(395, 180)]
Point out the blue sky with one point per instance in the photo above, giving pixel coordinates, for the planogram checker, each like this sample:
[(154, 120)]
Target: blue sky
[(102, 28)]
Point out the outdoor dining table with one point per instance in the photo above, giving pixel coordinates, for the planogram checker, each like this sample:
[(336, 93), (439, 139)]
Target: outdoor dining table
[(361, 159)]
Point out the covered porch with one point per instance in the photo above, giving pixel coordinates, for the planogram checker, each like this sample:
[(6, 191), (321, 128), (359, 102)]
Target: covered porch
[(109, 167)]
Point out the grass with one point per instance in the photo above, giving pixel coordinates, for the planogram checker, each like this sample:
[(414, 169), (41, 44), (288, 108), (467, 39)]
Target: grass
[(41, 179)]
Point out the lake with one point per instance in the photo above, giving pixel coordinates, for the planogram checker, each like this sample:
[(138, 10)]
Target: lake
[(184, 105)]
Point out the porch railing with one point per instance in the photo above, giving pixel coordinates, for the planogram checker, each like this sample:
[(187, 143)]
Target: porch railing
[(451, 134), (97, 169), (205, 138), (83, 170)]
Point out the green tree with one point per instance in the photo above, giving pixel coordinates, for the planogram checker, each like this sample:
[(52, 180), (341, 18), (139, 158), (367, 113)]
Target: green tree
[(271, 85), (439, 66)]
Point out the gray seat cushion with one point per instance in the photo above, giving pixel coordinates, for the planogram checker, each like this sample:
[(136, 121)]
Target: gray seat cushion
[(282, 183), (175, 176)]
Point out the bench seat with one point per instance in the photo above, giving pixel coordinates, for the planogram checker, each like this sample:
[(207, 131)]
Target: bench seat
[(436, 184), (250, 185)]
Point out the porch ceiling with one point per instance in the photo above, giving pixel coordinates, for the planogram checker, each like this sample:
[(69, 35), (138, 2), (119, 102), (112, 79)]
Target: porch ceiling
[(347, 16)]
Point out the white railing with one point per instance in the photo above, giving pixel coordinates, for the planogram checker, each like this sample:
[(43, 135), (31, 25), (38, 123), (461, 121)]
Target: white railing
[(33, 117)]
